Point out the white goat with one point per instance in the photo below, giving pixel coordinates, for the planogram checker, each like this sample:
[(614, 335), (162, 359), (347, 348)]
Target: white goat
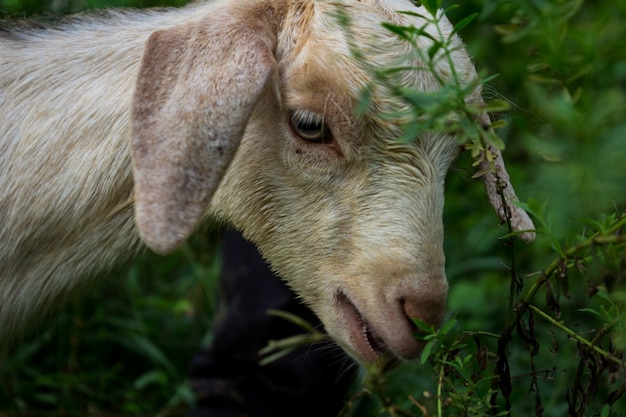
[(133, 127)]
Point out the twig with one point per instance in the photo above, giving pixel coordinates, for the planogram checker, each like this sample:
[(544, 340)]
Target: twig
[(577, 337)]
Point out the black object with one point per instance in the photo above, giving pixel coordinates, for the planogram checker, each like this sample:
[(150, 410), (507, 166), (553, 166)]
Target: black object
[(227, 378)]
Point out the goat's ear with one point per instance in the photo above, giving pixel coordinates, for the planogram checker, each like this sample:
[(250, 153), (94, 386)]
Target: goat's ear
[(495, 178), (197, 87)]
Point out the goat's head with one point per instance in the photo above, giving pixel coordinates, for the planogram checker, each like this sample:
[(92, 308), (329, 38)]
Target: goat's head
[(251, 111)]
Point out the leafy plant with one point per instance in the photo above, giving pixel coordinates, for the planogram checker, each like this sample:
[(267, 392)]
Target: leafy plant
[(562, 354)]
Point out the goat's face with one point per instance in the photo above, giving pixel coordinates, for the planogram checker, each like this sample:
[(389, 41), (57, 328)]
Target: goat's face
[(345, 211), (354, 227), (348, 213)]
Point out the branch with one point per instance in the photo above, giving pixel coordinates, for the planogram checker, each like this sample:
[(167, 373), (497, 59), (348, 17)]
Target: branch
[(579, 338)]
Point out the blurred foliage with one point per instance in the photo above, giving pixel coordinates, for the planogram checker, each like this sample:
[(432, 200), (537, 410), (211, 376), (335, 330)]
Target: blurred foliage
[(533, 329), (122, 349)]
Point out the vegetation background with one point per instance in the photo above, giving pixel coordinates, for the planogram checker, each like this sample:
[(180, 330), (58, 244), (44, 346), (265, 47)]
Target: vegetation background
[(533, 329)]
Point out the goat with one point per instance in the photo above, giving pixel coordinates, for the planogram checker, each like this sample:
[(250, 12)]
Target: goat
[(131, 128)]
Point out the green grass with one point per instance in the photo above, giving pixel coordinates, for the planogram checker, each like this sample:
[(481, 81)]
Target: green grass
[(124, 347)]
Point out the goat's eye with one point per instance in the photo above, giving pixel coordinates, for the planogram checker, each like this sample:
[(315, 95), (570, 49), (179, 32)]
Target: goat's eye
[(310, 126)]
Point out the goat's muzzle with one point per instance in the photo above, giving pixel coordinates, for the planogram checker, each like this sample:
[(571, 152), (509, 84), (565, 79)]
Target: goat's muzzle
[(385, 327)]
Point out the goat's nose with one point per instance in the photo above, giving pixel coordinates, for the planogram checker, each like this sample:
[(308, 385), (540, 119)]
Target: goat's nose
[(428, 309)]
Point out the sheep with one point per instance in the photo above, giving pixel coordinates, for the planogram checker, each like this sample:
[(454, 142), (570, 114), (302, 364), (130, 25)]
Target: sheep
[(130, 129)]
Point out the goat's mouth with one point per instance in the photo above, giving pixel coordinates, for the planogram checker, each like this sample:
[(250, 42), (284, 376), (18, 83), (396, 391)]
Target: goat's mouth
[(369, 344)]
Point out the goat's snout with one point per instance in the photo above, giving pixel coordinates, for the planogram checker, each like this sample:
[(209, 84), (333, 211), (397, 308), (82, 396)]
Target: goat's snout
[(426, 303), (382, 323), (429, 310)]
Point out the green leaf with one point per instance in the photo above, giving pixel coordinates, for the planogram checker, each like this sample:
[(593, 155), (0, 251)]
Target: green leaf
[(150, 350), (432, 51), (297, 320), (493, 139), (537, 209), (591, 311), (156, 377), (544, 79), (498, 124), (275, 356), (497, 106), (447, 326), (418, 99), (424, 327), (426, 353), (464, 22), (401, 31)]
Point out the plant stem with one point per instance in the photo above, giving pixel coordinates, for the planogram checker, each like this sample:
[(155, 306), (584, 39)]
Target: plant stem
[(510, 317), (440, 387), (611, 236), (577, 337), (482, 333), (606, 238)]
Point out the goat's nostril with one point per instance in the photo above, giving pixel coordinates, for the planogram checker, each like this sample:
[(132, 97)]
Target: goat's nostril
[(410, 313), (428, 311)]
